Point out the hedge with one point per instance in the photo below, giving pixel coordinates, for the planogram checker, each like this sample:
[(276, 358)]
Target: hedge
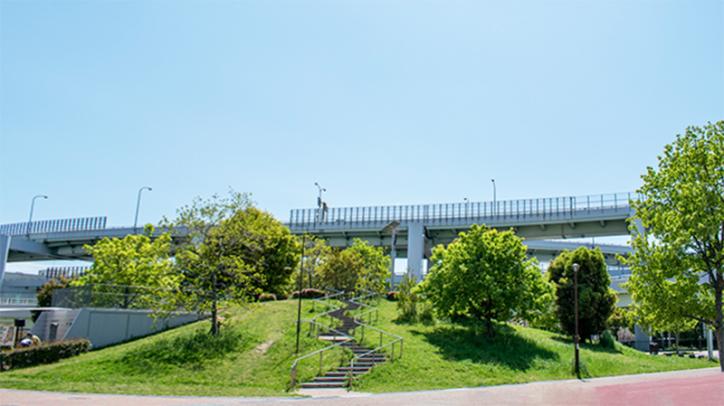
[(266, 297), (310, 293), (42, 354)]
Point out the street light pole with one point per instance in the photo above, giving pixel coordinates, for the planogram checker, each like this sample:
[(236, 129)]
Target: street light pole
[(467, 201), (319, 201), (138, 206), (495, 198), (299, 291), (575, 307), (32, 207)]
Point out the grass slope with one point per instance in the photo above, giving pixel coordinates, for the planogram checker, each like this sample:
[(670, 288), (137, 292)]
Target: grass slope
[(251, 358), (449, 356)]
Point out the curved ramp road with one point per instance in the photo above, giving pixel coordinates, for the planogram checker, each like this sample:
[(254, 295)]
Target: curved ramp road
[(703, 387)]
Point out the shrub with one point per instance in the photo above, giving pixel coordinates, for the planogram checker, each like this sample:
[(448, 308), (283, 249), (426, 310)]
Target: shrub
[(43, 354), (310, 293), (607, 340), (45, 293), (267, 297), (596, 300), (407, 299), (393, 295)]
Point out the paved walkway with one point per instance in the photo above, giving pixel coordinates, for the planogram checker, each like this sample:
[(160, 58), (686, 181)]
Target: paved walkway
[(702, 387)]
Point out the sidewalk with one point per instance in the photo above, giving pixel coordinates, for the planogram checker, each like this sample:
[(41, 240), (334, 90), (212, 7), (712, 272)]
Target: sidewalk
[(701, 387)]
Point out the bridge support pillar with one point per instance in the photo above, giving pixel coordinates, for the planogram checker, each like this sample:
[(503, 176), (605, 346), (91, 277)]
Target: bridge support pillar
[(641, 339), (4, 251), (415, 249)]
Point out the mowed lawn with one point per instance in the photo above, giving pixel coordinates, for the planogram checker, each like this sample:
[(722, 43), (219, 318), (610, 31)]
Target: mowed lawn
[(450, 356), (251, 358)]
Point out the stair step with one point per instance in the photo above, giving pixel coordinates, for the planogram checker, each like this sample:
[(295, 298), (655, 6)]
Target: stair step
[(356, 368), (341, 378), (313, 385), (344, 373)]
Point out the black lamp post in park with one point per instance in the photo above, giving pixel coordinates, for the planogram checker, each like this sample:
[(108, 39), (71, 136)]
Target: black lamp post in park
[(299, 291), (575, 307)]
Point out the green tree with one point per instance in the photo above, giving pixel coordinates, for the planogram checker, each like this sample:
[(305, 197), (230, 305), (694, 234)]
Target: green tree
[(596, 300), (194, 260), (407, 298), (485, 274), (678, 258), (244, 255), (316, 252), (133, 271), (358, 267), (45, 293)]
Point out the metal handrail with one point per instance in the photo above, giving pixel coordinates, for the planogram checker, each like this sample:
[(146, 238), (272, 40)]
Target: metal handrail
[(432, 213), (314, 327), (359, 321)]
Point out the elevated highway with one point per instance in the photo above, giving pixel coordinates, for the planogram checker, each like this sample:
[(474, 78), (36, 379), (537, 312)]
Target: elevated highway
[(412, 230), (408, 231)]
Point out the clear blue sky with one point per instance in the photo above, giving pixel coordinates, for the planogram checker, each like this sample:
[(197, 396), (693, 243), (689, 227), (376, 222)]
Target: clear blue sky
[(382, 102)]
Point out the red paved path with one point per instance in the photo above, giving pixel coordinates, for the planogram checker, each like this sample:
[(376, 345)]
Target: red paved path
[(696, 387)]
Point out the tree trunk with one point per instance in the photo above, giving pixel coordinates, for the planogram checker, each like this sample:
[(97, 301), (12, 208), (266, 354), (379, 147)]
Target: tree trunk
[(719, 322), (489, 327), (214, 312), (720, 344)]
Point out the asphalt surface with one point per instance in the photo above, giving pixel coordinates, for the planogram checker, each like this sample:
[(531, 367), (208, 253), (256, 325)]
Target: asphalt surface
[(702, 387)]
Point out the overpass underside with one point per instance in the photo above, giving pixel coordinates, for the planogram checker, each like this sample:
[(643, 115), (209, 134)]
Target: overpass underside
[(414, 235)]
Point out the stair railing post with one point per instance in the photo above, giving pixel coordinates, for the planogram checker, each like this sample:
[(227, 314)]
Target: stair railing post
[(321, 356), (380, 339), (392, 357), (363, 333)]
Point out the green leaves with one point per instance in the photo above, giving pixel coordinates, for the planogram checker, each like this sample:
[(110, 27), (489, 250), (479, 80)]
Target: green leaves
[(485, 274), (596, 300), (678, 264), (358, 267)]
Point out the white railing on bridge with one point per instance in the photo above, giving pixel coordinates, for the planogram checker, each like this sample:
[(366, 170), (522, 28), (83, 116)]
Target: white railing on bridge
[(68, 272), (445, 212), (54, 226)]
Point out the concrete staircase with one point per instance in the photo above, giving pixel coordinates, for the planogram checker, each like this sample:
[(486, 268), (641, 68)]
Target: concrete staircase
[(364, 357)]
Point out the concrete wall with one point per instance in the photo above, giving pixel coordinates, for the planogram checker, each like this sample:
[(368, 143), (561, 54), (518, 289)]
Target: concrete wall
[(104, 327)]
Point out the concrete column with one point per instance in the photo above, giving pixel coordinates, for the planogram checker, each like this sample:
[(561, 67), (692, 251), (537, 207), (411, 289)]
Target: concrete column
[(4, 251), (710, 343), (641, 339), (415, 249)]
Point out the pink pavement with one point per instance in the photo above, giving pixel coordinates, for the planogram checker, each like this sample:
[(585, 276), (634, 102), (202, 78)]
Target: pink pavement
[(703, 387)]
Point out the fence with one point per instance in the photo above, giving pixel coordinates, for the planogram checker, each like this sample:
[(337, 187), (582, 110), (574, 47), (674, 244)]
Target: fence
[(68, 272), (444, 212), (54, 226)]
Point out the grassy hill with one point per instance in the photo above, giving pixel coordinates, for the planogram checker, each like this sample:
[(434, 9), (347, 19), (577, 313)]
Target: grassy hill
[(254, 354), (251, 358), (449, 356)]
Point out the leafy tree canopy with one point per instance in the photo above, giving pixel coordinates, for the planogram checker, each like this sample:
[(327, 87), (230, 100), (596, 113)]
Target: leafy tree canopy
[(358, 267), (485, 274), (678, 258), (131, 271), (596, 300)]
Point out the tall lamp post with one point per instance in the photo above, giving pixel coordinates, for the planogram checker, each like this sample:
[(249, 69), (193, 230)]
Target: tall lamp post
[(299, 291), (138, 206), (320, 203), (495, 198), (32, 208), (467, 202), (575, 307)]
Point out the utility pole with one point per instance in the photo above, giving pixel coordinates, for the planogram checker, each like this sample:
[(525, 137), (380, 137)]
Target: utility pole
[(299, 291), (575, 307)]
